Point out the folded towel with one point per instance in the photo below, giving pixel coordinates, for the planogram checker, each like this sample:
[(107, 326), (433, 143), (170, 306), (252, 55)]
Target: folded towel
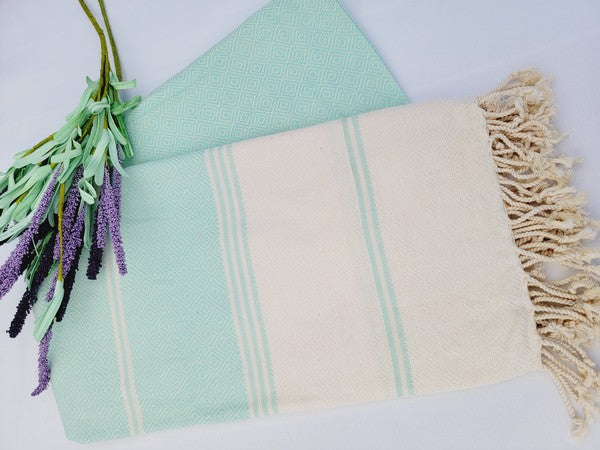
[(395, 253), (292, 64)]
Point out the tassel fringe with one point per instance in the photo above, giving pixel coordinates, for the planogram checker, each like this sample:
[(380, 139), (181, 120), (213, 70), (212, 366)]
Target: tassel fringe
[(549, 225)]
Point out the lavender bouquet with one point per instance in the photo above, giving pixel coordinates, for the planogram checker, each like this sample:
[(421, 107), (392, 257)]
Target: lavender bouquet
[(63, 194)]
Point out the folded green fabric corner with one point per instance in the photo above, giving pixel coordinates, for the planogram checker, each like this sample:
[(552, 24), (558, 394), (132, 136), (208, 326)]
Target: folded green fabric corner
[(292, 64)]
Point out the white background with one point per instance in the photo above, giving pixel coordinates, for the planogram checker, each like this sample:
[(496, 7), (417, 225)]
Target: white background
[(435, 49)]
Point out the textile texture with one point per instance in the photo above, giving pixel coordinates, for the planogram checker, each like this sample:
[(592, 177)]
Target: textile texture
[(293, 63), (297, 238), (336, 264), (340, 263), (388, 254)]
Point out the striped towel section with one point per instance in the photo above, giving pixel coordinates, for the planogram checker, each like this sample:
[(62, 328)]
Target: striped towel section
[(373, 257), (292, 64)]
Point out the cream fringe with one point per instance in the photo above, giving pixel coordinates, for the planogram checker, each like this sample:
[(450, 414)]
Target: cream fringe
[(549, 226)]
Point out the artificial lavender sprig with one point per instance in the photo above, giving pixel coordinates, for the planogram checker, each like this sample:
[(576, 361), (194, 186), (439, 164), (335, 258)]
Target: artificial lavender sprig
[(69, 282), (95, 256), (72, 203), (102, 215), (10, 271), (114, 225), (58, 198), (43, 365), (117, 181), (70, 244), (31, 293)]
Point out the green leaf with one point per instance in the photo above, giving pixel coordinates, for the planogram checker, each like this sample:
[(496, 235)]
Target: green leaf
[(6, 215), (114, 155), (87, 191), (100, 105), (95, 133), (7, 178), (96, 159), (69, 129), (31, 177), (36, 156), (85, 97), (66, 155), (121, 85), (127, 148), (115, 130), (16, 229), (44, 321), (88, 226), (120, 108), (28, 202)]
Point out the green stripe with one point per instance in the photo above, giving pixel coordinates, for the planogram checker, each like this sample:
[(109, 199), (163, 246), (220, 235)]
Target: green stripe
[(245, 294), (386, 270), (261, 324), (233, 279), (365, 214)]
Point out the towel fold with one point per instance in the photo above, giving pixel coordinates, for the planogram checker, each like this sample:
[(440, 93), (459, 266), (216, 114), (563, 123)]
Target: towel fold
[(292, 64)]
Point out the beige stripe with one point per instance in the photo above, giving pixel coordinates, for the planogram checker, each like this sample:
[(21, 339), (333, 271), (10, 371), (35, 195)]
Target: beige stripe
[(236, 273), (113, 314), (236, 318), (128, 358), (245, 278)]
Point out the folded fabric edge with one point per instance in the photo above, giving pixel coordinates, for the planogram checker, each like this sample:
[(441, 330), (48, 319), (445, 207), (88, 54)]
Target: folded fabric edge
[(549, 225)]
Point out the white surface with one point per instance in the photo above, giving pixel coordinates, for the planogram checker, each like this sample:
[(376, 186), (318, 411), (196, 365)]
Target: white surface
[(434, 49)]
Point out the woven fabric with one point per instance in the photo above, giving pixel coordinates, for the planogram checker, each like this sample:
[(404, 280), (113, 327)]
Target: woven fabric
[(292, 64), (331, 265)]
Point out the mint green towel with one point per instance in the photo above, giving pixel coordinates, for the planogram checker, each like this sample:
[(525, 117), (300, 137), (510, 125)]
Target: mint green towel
[(292, 64), (155, 349)]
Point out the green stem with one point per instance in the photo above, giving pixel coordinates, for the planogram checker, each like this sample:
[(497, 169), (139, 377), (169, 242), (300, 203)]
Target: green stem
[(61, 202), (39, 144), (103, 82), (111, 39)]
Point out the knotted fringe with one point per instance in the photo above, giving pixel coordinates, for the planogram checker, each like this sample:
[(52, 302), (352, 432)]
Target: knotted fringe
[(549, 225)]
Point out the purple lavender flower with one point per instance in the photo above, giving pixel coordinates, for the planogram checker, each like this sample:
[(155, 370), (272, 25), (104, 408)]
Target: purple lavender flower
[(114, 223), (68, 285), (112, 213), (43, 366), (71, 242), (95, 257), (70, 209), (101, 216), (31, 294), (99, 233), (11, 269), (116, 176)]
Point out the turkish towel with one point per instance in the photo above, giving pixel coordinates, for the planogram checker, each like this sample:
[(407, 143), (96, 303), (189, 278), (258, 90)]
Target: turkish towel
[(292, 64), (389, 254)]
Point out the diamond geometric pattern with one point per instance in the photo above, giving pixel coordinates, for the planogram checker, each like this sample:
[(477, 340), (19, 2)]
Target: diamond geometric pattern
[(179, 321), (186, 364), (292, 64)]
